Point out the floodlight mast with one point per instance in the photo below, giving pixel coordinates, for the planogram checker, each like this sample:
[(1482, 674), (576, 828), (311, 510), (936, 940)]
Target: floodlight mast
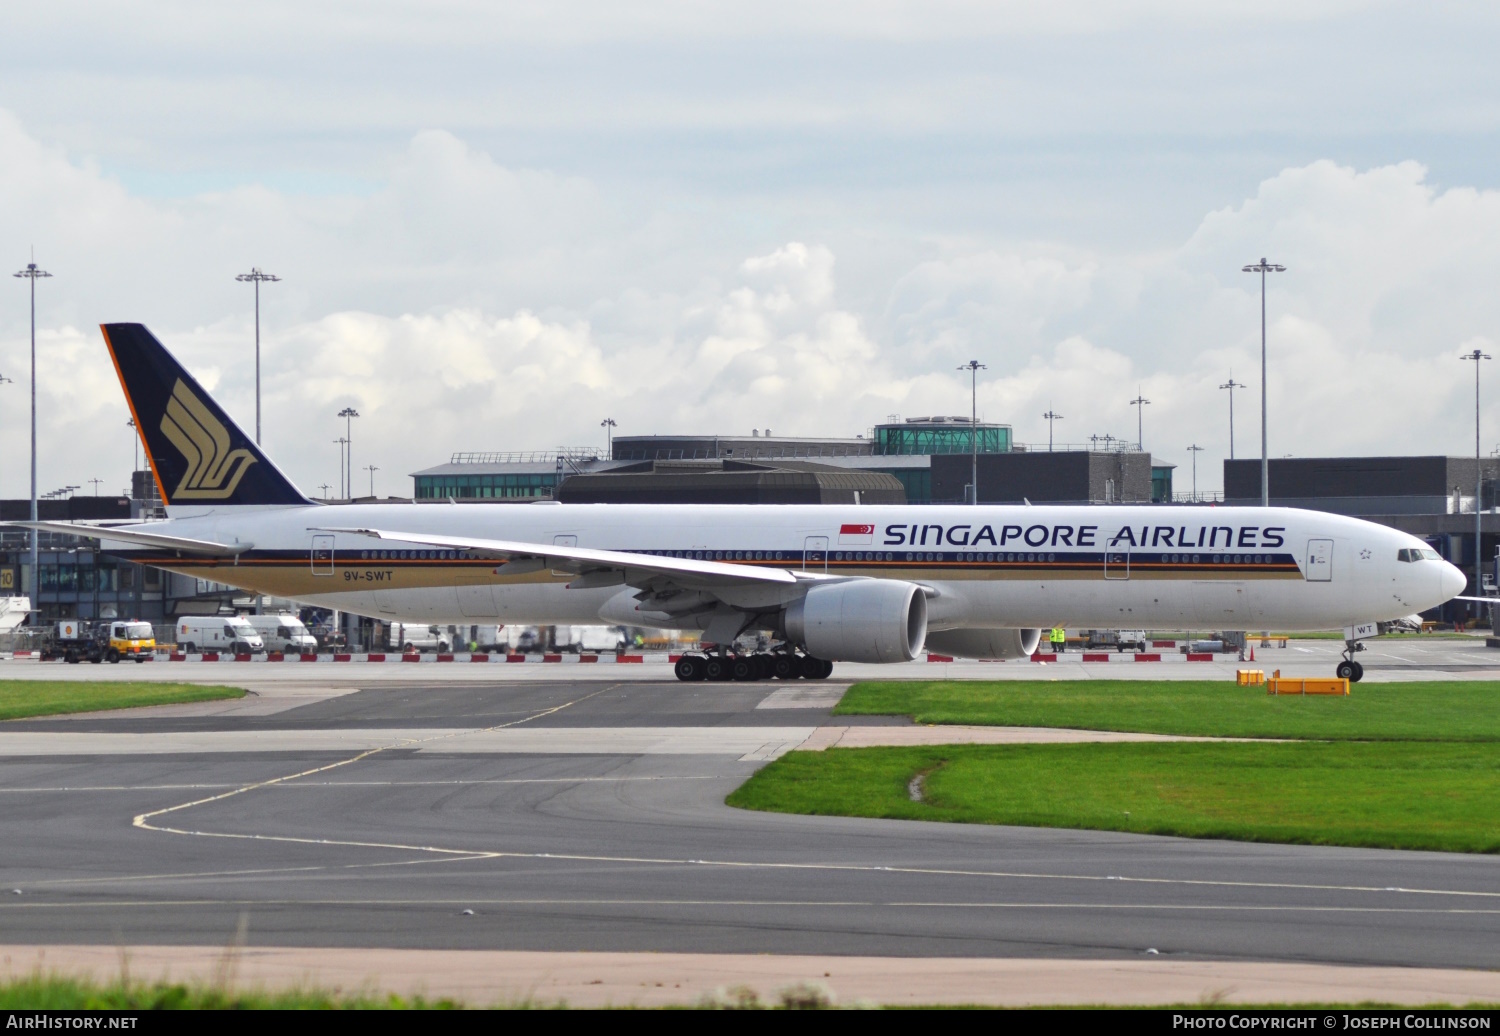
[(1195, 449), (349, 414), (1050, 417), (1263, 268), (1231, 385), (31, 273), (1477, 355), (256, 276), (974, 367), (608, 424), (1140, 402)]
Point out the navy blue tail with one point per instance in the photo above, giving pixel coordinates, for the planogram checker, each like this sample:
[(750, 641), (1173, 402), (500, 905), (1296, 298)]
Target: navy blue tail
[(200, 456)]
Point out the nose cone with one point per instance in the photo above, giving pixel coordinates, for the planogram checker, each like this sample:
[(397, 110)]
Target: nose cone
[(1454, 581)]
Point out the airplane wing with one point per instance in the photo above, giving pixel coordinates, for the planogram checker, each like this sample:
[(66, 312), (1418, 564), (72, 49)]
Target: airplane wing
[(584, 560), (138, 537)]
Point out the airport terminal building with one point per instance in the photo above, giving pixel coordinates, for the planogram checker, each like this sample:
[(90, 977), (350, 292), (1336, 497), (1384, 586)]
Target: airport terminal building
[(930, 457)]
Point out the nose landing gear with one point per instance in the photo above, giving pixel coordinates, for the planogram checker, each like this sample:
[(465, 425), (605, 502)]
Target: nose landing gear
[(1349, 669)]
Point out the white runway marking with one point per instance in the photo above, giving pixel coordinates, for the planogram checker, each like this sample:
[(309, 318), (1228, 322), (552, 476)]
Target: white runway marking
[(367, 784), (804, 696), (756, 742)]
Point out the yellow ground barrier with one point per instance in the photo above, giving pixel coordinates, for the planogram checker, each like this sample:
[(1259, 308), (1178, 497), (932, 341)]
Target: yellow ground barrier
[(1250, 677), (1316, 685)]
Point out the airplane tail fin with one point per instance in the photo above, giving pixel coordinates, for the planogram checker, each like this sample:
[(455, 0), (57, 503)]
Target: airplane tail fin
[(199, 456)]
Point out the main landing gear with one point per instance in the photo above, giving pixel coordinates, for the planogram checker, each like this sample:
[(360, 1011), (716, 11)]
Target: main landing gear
[(782, 665), (1349, 669)]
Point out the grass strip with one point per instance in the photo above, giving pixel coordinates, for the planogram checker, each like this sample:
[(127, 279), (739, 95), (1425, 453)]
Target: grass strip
[(1447, 710), (59, 993), (20, 699), (1376, 795)]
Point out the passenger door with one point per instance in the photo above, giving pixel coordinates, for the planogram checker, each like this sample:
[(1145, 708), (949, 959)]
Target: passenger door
[(1116, 564), (564, 541), (815, 554), (1319, 561), (322, 555)]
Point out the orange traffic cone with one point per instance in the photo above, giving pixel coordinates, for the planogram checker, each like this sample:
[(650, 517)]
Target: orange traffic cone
[(1252, 652)]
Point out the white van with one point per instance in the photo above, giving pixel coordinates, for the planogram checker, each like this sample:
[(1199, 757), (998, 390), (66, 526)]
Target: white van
[(588, 639), (417, 636), (217, 633), (284, 633)]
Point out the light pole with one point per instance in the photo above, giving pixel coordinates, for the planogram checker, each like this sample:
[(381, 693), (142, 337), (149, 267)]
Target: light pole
[(1263, 268), (1050, 416), (5, 381), (372, 469), (325, 487), (349, 414), (1140, 403), (608, 424), (342, 443), (974, 367), (1231, 385), (1477, 355), (1195, 449), (256, 276), (31, 273), (95, 483)]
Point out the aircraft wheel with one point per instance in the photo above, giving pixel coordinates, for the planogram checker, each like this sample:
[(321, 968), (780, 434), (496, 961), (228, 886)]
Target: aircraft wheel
[(716, 669), (786, 667), (689, 668), (764, 667), (113, 657), (1345, 671), (744, 669), (815, 668), (189, 648), (1359, 672)]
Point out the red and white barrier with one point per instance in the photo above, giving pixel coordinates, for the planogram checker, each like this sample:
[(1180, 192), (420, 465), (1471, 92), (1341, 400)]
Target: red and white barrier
[(376, 656), (1095, 657)]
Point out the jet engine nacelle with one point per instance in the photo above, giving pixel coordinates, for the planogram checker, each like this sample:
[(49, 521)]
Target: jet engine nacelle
[(864, 620), (985, 643)]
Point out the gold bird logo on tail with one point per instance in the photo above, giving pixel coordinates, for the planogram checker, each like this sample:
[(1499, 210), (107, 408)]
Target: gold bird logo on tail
[(213, 469)]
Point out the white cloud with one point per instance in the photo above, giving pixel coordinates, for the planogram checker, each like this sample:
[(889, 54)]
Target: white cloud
[(465, 304)]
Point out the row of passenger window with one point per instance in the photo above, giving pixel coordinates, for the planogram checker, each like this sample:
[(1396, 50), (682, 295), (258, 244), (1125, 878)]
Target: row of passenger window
[(413, 555), (841, 555)]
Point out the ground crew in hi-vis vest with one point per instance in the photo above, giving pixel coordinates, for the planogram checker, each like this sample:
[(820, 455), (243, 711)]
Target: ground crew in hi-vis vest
[(1058, 638)]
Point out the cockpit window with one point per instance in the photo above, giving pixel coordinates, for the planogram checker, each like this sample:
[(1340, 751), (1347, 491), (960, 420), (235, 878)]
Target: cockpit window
[(1418, 554)]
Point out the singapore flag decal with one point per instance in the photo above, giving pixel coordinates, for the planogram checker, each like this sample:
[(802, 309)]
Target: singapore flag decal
[(856, 535)]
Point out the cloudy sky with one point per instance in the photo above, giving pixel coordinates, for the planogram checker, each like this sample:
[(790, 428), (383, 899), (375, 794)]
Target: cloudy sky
[(500, 223)]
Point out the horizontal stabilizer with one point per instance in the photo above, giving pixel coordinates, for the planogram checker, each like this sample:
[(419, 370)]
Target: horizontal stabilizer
[(135, 536)]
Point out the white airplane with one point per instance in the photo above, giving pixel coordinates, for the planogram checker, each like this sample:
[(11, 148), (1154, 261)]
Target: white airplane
[(829, 583)]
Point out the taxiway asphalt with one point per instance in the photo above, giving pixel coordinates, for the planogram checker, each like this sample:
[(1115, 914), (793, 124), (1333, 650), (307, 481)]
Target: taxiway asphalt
[(587, 814)]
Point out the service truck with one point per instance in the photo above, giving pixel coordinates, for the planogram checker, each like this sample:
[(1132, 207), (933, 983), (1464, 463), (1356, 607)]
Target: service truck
[(284, 633), (77, 641)]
